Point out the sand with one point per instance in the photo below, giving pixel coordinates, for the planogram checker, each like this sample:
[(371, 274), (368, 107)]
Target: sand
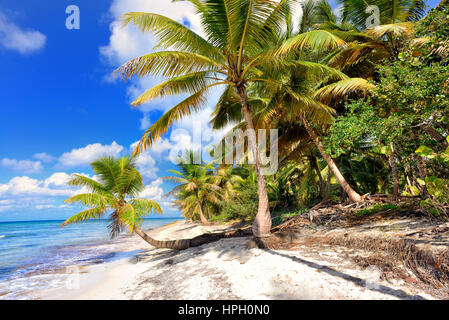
[(227, 269)]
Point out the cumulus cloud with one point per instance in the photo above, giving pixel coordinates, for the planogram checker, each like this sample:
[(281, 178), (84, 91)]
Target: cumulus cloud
[(146, 166), (145, 122), (153, 191), (14, 37), (29, 186), (83, 156), (53, 186), (23, 166), (44, 157), (127, 43)]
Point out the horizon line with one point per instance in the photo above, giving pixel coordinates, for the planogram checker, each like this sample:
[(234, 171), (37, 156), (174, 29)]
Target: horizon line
[(55, 220)]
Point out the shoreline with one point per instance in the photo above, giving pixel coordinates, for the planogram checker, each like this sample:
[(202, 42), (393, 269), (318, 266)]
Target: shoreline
[(229, 269)]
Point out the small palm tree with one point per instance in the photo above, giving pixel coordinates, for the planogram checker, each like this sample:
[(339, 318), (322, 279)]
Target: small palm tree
[(195, 186), (116, 191)]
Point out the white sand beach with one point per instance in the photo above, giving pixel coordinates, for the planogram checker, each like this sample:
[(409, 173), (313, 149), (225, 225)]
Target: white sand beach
[(228, 269)]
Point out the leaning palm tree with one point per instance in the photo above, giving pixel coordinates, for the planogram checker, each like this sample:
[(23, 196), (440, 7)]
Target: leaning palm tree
[(195, 182), (116, 192), (240, 37)]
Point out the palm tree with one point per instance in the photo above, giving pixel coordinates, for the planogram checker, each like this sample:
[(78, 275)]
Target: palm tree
[(116, 191), (291, 97), (195, 186), (241, 37), (226, 177), (396, 22)]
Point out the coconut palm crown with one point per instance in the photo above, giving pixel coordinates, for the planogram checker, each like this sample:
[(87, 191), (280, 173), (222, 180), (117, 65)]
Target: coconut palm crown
[(115, 192)]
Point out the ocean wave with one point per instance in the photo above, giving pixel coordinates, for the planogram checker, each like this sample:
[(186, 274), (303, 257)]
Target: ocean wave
[(2, 236)]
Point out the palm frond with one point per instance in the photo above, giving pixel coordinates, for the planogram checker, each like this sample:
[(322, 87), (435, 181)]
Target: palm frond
[(168, 64), (146, 206), (185, 108), (171, 34), (342, 88), (313, 40), (90, 214), (189, 83), (92, 200), (397, 29), (78, 180), (109, 171)]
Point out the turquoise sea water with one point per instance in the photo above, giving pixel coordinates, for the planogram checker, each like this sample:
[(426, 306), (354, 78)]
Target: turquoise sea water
[(34, 255)]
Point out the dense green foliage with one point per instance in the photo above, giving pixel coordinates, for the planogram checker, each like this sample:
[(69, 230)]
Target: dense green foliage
[(360, 110)]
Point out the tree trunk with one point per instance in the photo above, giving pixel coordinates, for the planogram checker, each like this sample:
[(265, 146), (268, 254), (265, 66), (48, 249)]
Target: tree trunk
[(331, 163), (435, 135), (183, 244), (168, 244), (200, 210), (394, 172), (262, 222), (314, 165), (422, 173), (409, 185)]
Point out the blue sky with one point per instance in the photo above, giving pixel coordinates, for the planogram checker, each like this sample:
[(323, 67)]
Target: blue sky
[(60, 107)]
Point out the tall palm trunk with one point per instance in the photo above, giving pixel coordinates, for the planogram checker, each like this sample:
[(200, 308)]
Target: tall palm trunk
[(394, 172), (330, 162), (262, 222), (200, 210), (168, 244)]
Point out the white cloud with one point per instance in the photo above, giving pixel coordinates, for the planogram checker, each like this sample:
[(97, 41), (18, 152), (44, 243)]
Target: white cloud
[(13, 37), (53, 186), (127, 43), (23, 166), (44, 157), (153, 191), (146, 166), (29, 186), (145, 122), (57, 180), (85, 155)]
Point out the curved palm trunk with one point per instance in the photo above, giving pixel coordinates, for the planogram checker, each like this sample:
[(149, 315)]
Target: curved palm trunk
[(200, 210), (262, 222), (167, 244), (183, 244), (331, 163)]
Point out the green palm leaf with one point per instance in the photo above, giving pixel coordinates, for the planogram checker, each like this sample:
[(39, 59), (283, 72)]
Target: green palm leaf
[(342, 88), (171, 34), (168, 64), (92, 200), (314, 40), (90, 214)]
